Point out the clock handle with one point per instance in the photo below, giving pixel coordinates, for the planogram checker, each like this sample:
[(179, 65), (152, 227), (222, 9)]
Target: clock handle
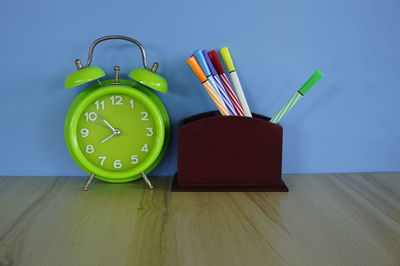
[(117, 37)]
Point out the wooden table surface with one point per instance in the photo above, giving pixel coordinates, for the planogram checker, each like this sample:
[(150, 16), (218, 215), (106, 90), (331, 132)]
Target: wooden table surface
[(341, 219)]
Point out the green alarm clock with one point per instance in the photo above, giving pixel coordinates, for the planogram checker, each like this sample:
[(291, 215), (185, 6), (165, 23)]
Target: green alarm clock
[(117, 130)]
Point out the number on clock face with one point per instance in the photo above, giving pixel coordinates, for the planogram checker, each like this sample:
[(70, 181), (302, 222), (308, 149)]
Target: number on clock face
[(116, 132)]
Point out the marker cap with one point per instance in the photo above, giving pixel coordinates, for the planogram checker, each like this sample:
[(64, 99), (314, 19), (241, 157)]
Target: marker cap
[(209, 63), (202, 61), (215, 60), (227, 59), (311, 82), (194, 65)]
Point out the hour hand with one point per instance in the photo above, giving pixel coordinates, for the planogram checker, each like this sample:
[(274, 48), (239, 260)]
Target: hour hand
[(109, 137)]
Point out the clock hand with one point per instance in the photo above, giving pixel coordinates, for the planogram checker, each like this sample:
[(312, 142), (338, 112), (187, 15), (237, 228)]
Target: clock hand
[(117, 131), (109, 137), (102, 125), (108, 124)]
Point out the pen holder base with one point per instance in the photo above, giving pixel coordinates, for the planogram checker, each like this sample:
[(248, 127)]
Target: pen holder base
[(229, 153)]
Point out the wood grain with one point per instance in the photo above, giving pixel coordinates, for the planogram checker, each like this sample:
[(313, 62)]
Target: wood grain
[(341, 219)]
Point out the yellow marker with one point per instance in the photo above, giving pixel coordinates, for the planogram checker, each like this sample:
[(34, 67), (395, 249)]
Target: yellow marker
[(235, 80)]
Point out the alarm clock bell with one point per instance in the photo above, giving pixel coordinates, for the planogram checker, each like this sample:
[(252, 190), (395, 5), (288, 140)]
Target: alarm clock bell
[(83, 76), (146, 76)]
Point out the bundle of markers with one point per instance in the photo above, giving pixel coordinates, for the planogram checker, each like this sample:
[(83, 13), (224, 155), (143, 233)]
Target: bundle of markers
[(209, 70)]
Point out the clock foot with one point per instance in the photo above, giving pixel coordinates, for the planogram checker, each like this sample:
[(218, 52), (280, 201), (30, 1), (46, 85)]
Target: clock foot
[(89, 181), (146, 179)]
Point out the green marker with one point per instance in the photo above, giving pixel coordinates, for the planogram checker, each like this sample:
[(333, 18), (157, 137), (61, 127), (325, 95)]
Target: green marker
[(299, 94)]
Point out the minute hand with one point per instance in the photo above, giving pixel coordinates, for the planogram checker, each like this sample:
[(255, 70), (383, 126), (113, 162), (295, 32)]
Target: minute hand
[(108, 124)]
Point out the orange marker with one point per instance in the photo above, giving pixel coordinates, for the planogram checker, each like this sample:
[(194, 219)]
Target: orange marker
[(194, 65)]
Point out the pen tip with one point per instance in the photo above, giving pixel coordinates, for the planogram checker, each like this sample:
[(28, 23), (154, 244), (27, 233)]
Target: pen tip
[(319, 74)]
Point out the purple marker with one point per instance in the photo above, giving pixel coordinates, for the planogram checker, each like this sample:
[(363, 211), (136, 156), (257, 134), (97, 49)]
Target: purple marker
[(201, 58), (219, 84)]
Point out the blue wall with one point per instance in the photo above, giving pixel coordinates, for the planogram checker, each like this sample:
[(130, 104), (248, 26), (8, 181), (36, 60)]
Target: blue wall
[(348, 122)]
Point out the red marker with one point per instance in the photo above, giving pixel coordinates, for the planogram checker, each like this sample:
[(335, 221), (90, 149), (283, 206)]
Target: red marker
[(228, 87), (194, 65)]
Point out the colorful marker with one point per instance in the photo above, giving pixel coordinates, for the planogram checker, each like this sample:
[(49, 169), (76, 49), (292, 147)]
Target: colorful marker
[(299, 94), (222, 77), (203, 63), (194, 65), (235, 80), (220, 86)]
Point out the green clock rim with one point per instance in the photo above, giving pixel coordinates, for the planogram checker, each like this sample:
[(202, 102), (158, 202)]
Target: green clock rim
[(136, 86), (166, 120), (83, 161)]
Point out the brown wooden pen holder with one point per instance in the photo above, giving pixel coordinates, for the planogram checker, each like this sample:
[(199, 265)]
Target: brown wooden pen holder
[(229, 153)]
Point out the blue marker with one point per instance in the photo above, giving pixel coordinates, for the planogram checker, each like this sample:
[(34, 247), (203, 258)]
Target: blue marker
[(203, 63), (219, 84)]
